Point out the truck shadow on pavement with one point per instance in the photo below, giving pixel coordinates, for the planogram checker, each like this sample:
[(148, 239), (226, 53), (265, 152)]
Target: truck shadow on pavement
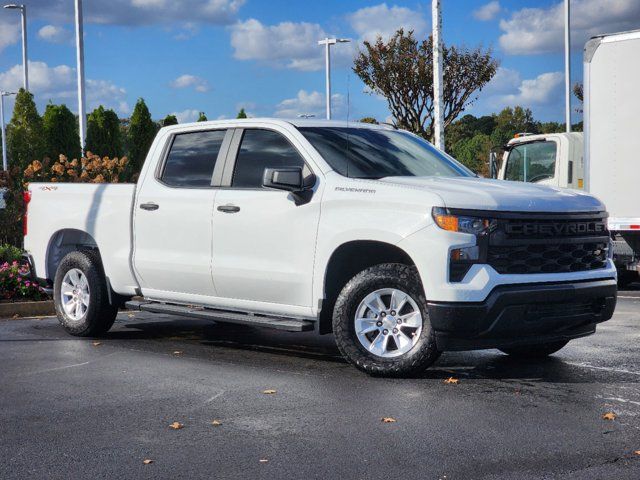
[(244, 345)]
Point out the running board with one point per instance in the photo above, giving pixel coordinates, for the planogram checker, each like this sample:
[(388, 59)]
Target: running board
[(279, 323)]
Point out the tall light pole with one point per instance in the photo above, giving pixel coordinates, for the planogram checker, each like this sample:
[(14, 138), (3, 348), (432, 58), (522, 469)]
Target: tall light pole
[(567, 64), (25, 67), (438, 111), (327, 42), (5, 166), (82, 117)]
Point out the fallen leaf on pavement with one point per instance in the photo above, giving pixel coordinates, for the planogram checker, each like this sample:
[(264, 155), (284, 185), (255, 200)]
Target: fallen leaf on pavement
[(147, 461), (216, 423), (130, 315), (609, 416), (263, 460), (637, 452), (452, 380), (269, 392), (388, 420), (176, 425), (96, 344), (15, 315), (177, 352)]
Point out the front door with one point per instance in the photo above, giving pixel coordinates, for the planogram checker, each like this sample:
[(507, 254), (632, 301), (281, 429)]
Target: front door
[(263, 243), (173, 220)]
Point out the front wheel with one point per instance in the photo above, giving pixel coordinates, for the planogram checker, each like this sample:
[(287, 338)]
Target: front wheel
[(81, 297), (535, 351), (381, 322)]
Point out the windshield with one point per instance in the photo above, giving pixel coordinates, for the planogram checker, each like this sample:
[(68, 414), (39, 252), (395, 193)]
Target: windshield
[(532, 162), (373, 153)]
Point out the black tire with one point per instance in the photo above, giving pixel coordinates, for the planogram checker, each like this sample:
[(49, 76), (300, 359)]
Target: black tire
[(388, 275), (100, 314), (535, 351)]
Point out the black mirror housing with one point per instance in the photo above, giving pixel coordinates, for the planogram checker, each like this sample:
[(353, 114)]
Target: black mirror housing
[(289, 179)]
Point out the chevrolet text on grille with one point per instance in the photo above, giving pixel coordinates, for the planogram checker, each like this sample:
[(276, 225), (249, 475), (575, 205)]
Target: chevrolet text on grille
[(572, 228)]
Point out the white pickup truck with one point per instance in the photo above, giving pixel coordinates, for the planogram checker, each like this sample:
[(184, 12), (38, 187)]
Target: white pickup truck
[(364, 231)]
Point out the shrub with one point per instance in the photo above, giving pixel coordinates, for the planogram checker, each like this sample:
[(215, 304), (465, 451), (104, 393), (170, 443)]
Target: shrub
[(11, 214), (89, 169), (9, 254), (16, 285)]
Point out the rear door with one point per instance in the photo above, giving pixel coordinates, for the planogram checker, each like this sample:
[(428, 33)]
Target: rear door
[(263, 243), (173, 217)]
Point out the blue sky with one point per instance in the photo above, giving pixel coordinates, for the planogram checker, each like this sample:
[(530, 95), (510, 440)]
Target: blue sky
[(219, 55)]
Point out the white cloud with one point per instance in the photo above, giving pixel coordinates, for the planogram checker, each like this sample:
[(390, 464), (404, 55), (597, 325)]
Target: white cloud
[(540, 30), (187, 116), (9, 32), (488, 11), (287, 44), (545, 89), (382, 20), (308, 103), (53, 34), (140, 12), (188, 81), (58, 84)]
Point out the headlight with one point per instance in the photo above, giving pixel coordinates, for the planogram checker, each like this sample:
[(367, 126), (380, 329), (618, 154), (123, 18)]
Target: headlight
[(460, 223), (461, 259)]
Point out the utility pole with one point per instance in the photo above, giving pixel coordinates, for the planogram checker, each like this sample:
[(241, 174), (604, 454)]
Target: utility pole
[(5, 165), (327, 42), (25, 65), (567, 63), (82, 116), (438, 111)]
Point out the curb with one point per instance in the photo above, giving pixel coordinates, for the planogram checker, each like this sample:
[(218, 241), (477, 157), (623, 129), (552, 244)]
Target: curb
[(27, 309)]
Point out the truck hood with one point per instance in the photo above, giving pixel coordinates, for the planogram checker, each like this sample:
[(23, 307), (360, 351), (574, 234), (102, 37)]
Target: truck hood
[(487, 194)]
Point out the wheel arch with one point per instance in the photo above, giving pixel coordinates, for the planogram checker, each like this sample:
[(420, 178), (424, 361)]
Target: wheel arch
[(345, 262), (63, 242)]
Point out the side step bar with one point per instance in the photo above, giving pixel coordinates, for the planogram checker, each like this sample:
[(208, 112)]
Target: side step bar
[(279, 323)]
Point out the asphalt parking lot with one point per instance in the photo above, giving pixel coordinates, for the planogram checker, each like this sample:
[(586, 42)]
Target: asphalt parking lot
[(84, 408)]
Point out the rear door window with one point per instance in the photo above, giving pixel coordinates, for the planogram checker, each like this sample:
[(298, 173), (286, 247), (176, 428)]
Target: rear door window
[(192, 158), (532, 162)]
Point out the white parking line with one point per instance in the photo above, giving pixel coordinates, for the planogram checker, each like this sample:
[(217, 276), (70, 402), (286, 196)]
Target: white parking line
[(617, 370)]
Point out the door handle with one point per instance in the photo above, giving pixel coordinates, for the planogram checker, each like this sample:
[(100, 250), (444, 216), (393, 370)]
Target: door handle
[(149, 206), (229, 208)]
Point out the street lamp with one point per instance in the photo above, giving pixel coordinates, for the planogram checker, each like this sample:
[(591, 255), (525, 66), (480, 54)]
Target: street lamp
[(327, 42), (2, 130), (82, 117), (25, 68)]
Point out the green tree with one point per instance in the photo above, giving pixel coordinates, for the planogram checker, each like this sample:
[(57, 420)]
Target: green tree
[(474, 152), (103, 133), (401, 70), (142, 131), (511, 121), (25, 139), (242, 113), (169, 120), (202, 117), (60, 132)]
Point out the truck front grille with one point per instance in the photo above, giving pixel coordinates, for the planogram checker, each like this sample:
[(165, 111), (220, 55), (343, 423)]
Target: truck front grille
[(531, 243), (548, 258)]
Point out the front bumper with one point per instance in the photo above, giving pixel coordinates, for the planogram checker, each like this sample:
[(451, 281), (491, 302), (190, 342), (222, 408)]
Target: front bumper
[(524, 315)]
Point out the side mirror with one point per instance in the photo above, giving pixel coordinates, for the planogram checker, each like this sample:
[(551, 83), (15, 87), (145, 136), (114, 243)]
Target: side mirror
[(289, 179)]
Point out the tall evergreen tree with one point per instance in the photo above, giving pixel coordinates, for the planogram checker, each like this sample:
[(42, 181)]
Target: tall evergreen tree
[(202, 117), (60, 132), (169, 120), (103, 133), (142, 131), (25, 139), (242, 113)]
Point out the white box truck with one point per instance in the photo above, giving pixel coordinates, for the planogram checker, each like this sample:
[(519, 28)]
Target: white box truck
[(605, 161)]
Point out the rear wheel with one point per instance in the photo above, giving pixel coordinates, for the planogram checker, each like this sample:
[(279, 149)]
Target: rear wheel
[(81, 297), (381, 322), (535, 351)]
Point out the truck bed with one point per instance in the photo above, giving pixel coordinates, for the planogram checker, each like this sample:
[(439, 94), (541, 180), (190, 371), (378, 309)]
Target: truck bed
[(59, 212)]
